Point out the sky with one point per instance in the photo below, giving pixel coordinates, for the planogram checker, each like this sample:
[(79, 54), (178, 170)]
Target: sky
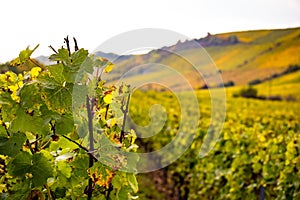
[(92, 22)]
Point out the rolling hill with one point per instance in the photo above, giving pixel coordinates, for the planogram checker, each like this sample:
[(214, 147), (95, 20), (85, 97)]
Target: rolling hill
[(240, 57)]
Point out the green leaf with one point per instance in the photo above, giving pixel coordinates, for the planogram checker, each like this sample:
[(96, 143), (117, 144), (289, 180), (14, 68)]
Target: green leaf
[(57, 73), (20, 165), (37, 165), (64, 157), (13, 145), (20, 190), (64, 125), (78, 57), (88, 64), (30, 96), (123, 193), (5, 98), (41, 169), (133, 182), (117, 182), (80, 164), (64, 168), (60, 192), (56, 95), (66, 144), (79, 96), (24, 56), (26, 122), (62, 55), (3, 134)]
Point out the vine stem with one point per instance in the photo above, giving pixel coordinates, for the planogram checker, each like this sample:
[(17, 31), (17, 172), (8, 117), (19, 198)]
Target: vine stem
[(80, 146), (89, 105), (125, 111), (35, 63), (68, 45), (51, 47), (110, 188), (48, 192)]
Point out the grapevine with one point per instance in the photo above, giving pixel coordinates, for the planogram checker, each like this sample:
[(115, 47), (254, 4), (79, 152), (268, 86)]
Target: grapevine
[(49, 152)]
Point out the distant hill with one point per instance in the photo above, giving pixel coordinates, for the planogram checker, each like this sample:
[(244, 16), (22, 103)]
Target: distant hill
[(241, 57), (44, 59)]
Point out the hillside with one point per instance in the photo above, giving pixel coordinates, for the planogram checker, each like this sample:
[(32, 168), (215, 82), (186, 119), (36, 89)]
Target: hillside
[(241, 57)]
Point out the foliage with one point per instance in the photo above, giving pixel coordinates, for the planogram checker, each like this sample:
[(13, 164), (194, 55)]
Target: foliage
[(49, 152), (248, 92), (255, 82), (258, 151)]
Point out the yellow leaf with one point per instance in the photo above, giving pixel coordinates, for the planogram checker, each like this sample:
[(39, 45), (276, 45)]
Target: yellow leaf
[(112, 122), (35, 71), (108, 98), (12, 77), (109, 67), (13, 88)]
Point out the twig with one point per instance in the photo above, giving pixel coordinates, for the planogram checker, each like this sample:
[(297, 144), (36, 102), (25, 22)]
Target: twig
[(29, 145), (80, 146), (76, 46), (68, 44), (89, 105), (44, 145), (53, 49), (36, 143), (110, 188), (7, 133), (35, 63), (48, 192), (106, 112), (125, 111)]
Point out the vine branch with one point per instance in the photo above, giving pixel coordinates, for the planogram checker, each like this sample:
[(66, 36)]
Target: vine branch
[(80, 146), (89, 105), (125, 111)]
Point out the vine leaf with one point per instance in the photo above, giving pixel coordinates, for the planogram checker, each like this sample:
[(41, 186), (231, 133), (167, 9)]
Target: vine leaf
[(36, 165), (101, 175), (24, 56), (30, 96), (64, 168), (133, 182), (56, 72), (109, 67), (56, 95), (20, 165), (26, 122), (40, 169), (78, 57), (62, 56), (12, 146), (64, 125)]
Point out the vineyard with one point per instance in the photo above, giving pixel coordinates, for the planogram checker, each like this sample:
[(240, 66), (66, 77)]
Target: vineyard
[(65, 133), (257, 155)]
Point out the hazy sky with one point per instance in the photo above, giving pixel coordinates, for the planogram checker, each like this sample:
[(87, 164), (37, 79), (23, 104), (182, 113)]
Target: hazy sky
[(45, 22)]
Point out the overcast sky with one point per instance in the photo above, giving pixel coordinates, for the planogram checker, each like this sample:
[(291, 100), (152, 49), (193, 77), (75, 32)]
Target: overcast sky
[(45, 22)]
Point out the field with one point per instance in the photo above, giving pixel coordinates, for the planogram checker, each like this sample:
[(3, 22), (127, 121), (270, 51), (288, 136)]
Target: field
[(256, 155)]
